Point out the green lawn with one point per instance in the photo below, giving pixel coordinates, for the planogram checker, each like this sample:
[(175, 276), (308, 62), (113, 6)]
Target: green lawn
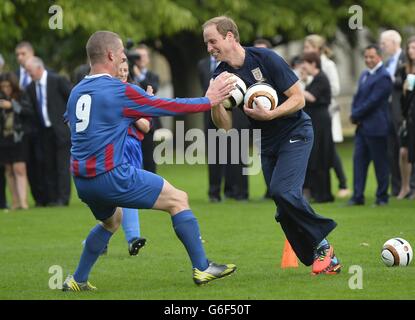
[(242, 233)]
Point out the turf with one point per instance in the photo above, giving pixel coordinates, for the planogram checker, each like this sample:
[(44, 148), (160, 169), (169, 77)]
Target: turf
[(243, 233)]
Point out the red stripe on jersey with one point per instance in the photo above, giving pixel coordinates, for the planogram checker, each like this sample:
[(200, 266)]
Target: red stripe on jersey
[(164, 104), (91, 167), (134, 132), (109, 157), (140, 135), (75, 167), (130, 113)]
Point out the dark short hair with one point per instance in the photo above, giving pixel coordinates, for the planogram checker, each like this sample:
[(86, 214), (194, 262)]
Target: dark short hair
[(224, 25), (143, 46), (264, 42), (311, 57), (376, 47), (99, 43), (25, 44), (296, 60)]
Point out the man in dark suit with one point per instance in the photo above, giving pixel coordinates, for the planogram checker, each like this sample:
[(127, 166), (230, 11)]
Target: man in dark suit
[(144, 77), (2, 63), (49, 93), (370, 112), (24, 51), (236, 184), (3, 204)]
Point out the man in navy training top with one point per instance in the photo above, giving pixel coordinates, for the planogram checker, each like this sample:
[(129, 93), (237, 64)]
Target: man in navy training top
[(99, 111), (286, 140)]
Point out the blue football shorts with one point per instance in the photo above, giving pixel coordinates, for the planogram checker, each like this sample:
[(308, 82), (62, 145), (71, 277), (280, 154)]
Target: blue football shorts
[(124, 186), (133, 153)]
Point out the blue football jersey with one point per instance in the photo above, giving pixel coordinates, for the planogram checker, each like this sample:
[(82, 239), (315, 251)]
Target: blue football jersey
[(100, 110)]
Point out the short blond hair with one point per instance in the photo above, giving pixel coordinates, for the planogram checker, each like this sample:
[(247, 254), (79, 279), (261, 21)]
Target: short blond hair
[(319, 43), (224, 25), (100, 43)]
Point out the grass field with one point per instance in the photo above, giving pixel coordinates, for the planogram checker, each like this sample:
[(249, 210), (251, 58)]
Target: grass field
[(243, 233)]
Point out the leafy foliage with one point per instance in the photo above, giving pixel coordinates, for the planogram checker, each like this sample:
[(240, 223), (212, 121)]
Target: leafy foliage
[(148, 20)]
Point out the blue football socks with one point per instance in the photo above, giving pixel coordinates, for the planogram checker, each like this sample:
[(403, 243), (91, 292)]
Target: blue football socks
[(187, 230), (96, 241), (130, 224), (324, 244)]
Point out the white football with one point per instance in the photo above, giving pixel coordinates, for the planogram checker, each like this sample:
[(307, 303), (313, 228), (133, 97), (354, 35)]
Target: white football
[(237, 94), (263, 92), (396, 252)]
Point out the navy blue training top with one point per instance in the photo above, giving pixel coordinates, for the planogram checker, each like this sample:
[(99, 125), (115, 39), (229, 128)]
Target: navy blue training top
[(264, 65)]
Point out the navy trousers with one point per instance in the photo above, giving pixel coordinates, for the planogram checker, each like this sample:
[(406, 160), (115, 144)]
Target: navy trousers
[(369, 149), (284, 166)]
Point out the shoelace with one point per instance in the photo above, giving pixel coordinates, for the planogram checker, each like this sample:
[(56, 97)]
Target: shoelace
[(322, 252)]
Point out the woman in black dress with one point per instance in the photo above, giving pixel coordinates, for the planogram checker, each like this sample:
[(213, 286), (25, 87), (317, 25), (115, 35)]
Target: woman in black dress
[(13, 108), (406, 76), (318, 96)]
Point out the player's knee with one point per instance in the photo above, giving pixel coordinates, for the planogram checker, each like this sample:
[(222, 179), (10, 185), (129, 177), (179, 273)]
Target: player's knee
[(180, 201), (117, 218), (184, 198), (113, 223)]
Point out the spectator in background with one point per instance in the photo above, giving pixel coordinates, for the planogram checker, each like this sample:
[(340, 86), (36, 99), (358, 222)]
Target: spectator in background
[(370, 112), (262, 43), (1, 63), (297, 66), (14, 106), (317, 44), (236, 184), (24, 51), (80, 72), (390, 43), (216, 171), (406, 75), (144, 77), (3, 204), (49, 93), (318, 96)]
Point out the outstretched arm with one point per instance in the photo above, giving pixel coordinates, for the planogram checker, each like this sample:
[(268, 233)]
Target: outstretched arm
[(141, 104), (221, 117)]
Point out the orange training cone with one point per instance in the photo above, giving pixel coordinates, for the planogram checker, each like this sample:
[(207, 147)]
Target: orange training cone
[(289, 259)]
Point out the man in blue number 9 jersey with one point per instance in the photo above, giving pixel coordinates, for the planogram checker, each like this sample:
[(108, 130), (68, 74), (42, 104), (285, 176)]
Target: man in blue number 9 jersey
[(100, 110), (286, 139)]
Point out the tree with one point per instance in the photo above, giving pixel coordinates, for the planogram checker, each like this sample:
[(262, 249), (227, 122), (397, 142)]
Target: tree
[(177, 25)]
